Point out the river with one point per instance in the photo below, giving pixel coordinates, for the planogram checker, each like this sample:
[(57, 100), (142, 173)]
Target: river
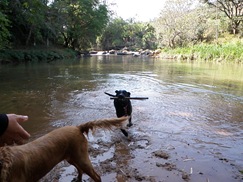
[(194, 113)]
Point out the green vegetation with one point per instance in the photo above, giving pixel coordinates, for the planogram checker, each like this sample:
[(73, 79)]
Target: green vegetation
[(232, 9), (190, 31), (71, 23), (134, 35), (230, 52), (186, 28), (26, 55)]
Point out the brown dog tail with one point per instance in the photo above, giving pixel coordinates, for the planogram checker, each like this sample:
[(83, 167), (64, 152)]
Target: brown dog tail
[(103, 123)]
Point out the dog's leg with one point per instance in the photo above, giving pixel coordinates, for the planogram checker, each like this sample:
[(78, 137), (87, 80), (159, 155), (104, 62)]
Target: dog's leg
[(91, 172), (86, 167), (130, 122), (124, 132), (80, 159), (80, 172)]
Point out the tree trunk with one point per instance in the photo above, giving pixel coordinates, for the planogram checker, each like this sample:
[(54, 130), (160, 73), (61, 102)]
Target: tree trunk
[(235, 27), (29, 36)]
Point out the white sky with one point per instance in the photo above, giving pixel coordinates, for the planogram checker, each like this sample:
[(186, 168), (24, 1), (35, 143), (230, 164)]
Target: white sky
[(140, 10)]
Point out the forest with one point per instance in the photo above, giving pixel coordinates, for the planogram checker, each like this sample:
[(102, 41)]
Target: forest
[(84, 25)]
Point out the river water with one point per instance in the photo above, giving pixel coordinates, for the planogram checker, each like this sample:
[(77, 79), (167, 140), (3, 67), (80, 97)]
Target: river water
[(194, 111)]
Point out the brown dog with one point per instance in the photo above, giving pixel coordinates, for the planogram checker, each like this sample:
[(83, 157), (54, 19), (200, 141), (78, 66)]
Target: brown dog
[(30, 162)]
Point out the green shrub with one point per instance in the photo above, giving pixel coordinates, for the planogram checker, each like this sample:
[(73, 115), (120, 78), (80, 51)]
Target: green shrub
[(26, 55)]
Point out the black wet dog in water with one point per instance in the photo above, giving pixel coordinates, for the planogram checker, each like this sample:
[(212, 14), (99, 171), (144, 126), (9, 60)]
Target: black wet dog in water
[(123, 107)]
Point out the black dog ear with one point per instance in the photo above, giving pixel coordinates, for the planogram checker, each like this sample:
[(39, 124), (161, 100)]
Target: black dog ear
[(128, 93), (116, 91)]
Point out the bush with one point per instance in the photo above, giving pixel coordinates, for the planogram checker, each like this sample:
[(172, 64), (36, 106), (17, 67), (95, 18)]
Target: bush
[(7, 56)]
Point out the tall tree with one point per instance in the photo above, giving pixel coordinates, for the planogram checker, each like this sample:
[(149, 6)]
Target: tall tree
[(74, 23), (80, 21), (178, 23), (134, 35), (149, 37), (112, 37), (184, 22), (27, 19), (233, 9)]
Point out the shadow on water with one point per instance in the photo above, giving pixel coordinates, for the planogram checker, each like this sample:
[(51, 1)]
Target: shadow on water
[(194, 114)]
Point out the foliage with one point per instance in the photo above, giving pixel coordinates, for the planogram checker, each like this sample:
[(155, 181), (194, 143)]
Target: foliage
[(25, 55), (27, 19), (188, 22), (184, 25), (112, 37), (232, 9), (80, 21), (225, 51), (134, 35), (4, 33), (181, 22), (4, 27), (73, 23)]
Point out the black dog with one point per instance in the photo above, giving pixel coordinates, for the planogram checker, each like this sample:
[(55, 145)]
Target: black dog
[(123, 107)]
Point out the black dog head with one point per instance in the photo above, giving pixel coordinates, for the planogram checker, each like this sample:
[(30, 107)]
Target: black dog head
[(123, 106), (122, 103), (122, 94)]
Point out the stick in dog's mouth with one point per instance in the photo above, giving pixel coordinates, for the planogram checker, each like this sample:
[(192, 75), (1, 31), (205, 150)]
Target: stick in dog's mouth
[(134, 98)]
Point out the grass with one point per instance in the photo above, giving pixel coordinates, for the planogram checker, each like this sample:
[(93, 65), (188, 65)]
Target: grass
[(231, 51)]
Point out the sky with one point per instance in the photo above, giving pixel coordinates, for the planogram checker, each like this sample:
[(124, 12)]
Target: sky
[(139, 10)]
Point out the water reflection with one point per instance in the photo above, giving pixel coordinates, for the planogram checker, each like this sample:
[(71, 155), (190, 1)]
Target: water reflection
[(39, 89)]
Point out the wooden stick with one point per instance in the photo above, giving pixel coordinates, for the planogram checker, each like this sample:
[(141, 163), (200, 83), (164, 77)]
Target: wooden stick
[(134, 98), (110, 94)]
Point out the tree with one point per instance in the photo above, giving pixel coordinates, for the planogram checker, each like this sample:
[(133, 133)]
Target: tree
[(112, 36), (72, 23), (149, 37), (233, 9), (79, 21), (4, 26), (182, 22), (134, 35), (178, 23), (27, 21)]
